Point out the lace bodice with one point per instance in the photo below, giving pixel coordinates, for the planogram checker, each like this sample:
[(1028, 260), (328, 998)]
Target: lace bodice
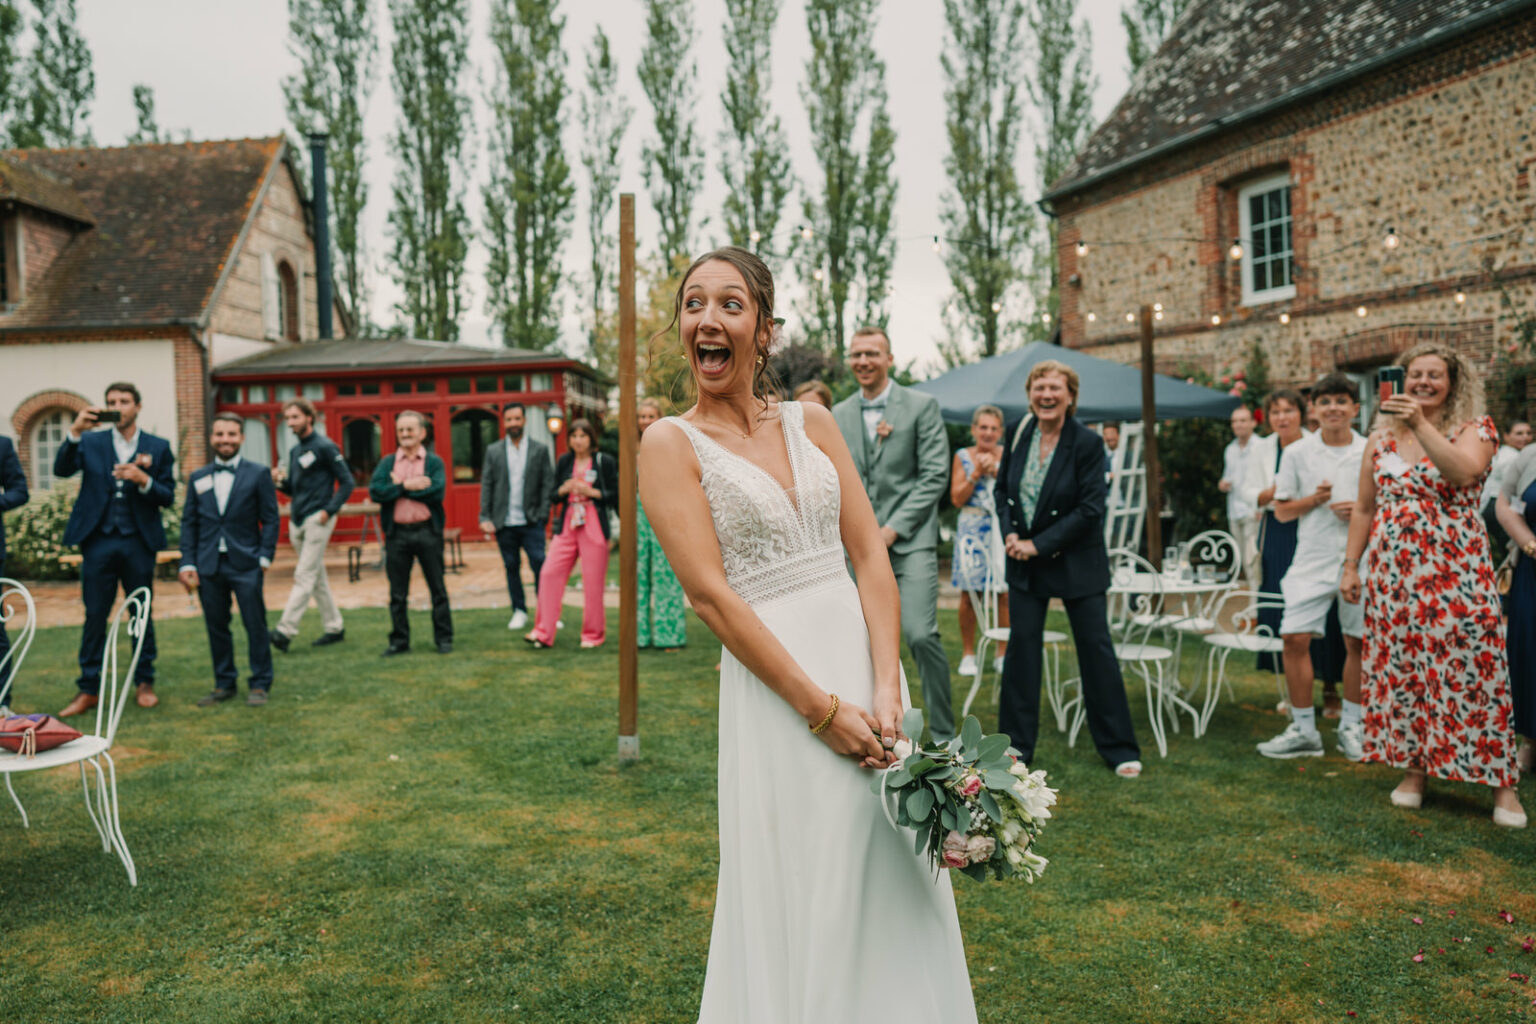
[(774, 544)]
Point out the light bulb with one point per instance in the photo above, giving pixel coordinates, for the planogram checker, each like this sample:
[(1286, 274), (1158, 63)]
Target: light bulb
[(1391, 240), (1130, 318), (1285, 318), (1045, 318), (1236, 252), (1157, 307), (1158, 315), (1461, 297), (1082, 247), (936, 246), (1215, 319), (997, 307), (817, 274), (755, 237), (1360, 311), (805, 233), (1093, 318)]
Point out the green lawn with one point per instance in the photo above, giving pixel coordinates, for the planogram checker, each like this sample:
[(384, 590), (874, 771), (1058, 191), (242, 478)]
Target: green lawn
[(449, 839)]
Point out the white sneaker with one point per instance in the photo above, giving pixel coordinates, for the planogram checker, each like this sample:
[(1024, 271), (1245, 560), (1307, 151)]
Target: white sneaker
[(1351, 740), (968, 665), (519, 619), (1293, 743), (559, 623)]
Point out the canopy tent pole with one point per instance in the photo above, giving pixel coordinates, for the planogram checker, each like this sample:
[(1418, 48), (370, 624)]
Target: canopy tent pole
[(629, 437), (1149, 444)]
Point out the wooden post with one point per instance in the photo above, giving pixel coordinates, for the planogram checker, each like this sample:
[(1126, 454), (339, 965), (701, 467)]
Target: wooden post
[(629, 437), (1149, 445)]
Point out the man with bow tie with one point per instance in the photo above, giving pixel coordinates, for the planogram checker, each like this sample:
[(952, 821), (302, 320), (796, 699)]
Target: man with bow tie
[(125, 480), (902, 453), (228, 538)]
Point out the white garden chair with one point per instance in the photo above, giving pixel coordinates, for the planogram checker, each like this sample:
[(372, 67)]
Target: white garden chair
[(94, 748), (1239, 610), (18, 614), (988, 632)]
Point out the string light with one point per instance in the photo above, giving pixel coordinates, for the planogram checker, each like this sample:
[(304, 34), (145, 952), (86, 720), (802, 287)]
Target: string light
[(997, 307), (1391, 240), (1158, 315), (1045, 318), (1215, 319), (755, 237), (1461, 297), (1236, 252), (817, 274), (1360, 311), (806, 233), (1130, 318), (1157, 307), (1093, 318), (1082, 247), (936, 245), (1285, 318)]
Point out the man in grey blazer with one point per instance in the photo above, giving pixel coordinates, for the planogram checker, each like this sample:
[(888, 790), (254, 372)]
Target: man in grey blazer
[(516, 486), (902, 453)]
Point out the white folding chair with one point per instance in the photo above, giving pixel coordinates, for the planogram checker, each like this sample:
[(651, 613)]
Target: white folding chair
[(94, 748), (1239, 611), (18, 614), (988, 632)]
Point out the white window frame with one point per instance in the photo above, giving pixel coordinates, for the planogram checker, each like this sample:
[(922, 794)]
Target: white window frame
[(44, 451), (1252, 296)]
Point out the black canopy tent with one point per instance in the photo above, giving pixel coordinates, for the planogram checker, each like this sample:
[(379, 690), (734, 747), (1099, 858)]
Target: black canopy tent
[(1107, 390)]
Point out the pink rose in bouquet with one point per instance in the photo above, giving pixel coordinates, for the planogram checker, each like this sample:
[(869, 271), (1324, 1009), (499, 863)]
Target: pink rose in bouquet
[(954, 853), (970, 785), (978, 849)]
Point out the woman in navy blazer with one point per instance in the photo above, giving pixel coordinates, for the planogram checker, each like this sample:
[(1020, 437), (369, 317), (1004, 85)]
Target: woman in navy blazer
[(1050, 501)]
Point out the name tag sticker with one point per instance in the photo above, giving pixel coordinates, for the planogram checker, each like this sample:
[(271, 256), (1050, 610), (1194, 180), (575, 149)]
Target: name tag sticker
[(307, 459), (204, 484)]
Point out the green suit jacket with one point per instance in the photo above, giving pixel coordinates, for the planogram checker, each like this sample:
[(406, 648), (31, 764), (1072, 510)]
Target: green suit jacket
[(905, 472)]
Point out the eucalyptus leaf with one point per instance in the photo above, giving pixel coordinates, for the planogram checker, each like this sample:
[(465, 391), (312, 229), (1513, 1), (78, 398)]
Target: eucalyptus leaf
[(998, 779), (912, 724), (993, 746), (970, 733), (920, 766), (989, 804), (919, 804)]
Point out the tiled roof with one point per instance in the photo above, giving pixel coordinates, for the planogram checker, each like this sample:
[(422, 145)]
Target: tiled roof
[(31, 186), (167, 217), (1227, 60), (383, 353)]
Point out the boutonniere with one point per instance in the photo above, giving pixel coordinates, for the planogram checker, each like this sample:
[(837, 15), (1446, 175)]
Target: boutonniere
[(143, 460), (883, 430)]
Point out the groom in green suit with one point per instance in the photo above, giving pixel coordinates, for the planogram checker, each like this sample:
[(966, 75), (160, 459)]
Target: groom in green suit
[(899, 446)]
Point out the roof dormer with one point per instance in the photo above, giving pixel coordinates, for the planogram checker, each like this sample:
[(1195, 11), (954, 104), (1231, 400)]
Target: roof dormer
[(39, 216)]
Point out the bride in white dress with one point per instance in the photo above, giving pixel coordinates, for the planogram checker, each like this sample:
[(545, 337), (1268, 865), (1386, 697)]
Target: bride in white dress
[(823, 912)]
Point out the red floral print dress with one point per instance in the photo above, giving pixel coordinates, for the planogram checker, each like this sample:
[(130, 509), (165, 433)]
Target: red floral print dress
[(1435, 683)]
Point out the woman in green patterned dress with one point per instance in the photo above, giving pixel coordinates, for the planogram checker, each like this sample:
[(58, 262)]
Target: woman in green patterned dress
[(661, 596)]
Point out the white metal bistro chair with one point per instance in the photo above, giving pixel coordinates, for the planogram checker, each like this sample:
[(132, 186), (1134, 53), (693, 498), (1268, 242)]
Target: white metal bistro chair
[(94, 748), (1239, 610), (988, 632), (18, 614)]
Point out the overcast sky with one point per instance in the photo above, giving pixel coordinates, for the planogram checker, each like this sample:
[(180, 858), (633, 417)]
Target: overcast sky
[(216, 70)]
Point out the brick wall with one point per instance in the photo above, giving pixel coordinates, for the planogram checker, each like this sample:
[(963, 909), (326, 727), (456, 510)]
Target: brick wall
[(43, 237), (191, 404), (1439, 148)]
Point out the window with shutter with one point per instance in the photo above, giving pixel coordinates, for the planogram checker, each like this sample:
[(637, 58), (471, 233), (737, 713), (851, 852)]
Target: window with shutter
[(271, 313)]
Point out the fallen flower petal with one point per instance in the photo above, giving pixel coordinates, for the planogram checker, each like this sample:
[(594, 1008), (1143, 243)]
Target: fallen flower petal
[(1418, 958), (1507, 917), (1418, 920), (1517, 977)]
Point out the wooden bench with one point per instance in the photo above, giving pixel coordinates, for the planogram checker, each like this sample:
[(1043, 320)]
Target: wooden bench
[(165, 563)]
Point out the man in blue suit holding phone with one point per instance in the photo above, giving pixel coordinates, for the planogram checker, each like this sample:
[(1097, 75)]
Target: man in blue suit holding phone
[(126, 480), (228, 538), (13, 494)]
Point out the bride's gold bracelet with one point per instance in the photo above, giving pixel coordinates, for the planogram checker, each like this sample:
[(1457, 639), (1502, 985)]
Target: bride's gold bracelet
[(821, 727)]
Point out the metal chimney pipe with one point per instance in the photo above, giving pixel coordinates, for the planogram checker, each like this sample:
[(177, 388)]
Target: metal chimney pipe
[(321, 207)]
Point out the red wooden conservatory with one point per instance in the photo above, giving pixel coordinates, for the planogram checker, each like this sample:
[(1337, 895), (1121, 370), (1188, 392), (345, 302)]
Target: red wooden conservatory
[(358, 386)]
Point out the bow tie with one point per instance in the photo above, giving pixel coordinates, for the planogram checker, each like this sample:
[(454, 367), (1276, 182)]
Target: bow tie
[(223, 467), (871, 403)]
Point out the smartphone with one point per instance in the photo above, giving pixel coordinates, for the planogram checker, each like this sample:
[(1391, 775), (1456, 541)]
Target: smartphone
[(109, 416), (1389, 381)]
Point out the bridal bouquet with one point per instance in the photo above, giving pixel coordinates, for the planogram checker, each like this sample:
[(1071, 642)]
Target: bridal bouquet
[(972, 803)]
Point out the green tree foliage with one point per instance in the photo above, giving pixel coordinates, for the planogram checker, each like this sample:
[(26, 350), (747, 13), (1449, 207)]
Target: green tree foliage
[(1191, 453), (1146, 26), (529, 198), (148, 128), (60, 82), (605, 113), (985, 215), (337, 50), (672, 163), (754, 160), (429, 228), (11, 24), (1061, 89), (849, 210)]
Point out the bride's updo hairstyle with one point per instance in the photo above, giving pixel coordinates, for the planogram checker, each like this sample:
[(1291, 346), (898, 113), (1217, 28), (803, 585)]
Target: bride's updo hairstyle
[(759, 281)]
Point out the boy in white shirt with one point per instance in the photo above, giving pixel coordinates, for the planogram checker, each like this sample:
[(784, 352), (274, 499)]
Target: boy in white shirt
[(1317, 482)]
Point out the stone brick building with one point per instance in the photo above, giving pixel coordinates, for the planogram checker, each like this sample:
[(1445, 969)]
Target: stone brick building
[(1370, 160), (152, 264)]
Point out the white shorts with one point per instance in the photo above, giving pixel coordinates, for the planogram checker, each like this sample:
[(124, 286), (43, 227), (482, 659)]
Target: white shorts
[(1306, 608)]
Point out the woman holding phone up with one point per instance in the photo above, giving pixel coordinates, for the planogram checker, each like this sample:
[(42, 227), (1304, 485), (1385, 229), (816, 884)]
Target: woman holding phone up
[(1434, 679)]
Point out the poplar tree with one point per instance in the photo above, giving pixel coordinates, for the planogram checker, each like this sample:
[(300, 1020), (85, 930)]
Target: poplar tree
[(337, 49), (605, 114), (754, 161), (1061, 89), (1146, 26), (61, 82), (10, 32), (428, 225), (528, 199), (849, 214), (672, 164), (148, 128), (986, 218)]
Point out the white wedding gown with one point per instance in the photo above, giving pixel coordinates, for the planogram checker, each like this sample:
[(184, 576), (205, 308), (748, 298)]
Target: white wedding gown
[(823, 913)]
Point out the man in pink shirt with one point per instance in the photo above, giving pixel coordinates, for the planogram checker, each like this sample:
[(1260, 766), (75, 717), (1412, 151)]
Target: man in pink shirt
[(408, 485)]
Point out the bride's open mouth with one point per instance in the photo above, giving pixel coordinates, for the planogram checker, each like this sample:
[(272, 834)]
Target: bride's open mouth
[(713, 358)]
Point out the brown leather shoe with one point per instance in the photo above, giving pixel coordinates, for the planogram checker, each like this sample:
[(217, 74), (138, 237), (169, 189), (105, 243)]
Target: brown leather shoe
[(147, 697), (82, 703)]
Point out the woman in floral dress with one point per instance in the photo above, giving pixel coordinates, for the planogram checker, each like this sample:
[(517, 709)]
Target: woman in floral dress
[(658, 594), (972, 477), (1435, 681)]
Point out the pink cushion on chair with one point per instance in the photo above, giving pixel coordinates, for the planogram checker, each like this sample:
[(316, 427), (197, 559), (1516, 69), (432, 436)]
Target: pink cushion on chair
[(47, 732)]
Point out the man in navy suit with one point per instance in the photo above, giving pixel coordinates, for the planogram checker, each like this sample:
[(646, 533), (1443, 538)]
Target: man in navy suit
[(228, 538), (125, 481), (13, 494)]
